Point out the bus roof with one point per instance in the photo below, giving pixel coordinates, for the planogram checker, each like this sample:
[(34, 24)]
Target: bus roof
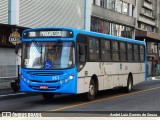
[(90, 33), (111, 37)]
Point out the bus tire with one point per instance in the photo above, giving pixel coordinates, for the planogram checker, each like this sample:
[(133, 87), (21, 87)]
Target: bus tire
[(129, 84), (48, 96), (92, 90)]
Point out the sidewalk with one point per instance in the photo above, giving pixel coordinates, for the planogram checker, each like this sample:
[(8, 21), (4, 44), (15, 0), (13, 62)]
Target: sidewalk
[(5, 87), (6, 91), (5, 83), (154, 78)]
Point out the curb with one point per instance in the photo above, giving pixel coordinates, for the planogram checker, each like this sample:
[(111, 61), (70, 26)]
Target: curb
[(153, 78), (17, 95)]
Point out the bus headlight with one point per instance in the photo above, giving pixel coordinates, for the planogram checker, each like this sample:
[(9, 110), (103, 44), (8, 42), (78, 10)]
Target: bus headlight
[(67, 79), (24, 79), (63, 81), (71, 76)]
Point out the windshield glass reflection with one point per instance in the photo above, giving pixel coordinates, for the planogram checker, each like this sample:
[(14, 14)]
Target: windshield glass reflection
[(48, 55)]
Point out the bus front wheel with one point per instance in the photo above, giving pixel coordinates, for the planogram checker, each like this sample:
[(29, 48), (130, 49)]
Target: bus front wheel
[(48, 96), (92, 91)]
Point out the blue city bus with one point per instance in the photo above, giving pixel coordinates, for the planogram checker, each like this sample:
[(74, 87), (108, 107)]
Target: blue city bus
[(72, 61)]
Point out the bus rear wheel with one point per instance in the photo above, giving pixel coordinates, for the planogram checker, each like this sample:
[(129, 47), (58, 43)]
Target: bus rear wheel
[(129, 84), (48, 96), (92, 91)]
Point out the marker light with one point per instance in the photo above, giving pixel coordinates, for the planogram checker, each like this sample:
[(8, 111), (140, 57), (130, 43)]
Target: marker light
[(61, 82), (66, 80)]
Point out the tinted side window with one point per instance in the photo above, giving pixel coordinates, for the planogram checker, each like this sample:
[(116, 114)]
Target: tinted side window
[(142, 51), (106, 50), (115, 51), (123, 51), (94, 49), (130, 52), (136, 53)]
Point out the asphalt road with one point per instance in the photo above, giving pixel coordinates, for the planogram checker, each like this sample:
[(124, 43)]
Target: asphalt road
[(145, 98)]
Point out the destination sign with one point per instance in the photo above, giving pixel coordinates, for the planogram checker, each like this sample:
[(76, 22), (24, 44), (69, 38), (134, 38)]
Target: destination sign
[(48, 33), (51, 33)]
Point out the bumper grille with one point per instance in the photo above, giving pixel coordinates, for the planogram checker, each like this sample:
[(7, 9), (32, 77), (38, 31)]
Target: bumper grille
[(49, 88)]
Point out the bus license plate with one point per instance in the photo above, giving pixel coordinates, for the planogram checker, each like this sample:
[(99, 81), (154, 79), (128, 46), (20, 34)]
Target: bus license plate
[(43, 87)]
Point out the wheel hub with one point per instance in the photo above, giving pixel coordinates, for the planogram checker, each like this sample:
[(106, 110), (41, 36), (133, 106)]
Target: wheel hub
[(91, 90), (129, 85)]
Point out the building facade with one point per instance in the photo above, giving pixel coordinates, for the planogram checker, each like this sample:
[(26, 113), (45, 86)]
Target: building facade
[(4, 11), (8, 67), (137, 19), (148, 29), (7, 54), (41, 13), (115, 17)]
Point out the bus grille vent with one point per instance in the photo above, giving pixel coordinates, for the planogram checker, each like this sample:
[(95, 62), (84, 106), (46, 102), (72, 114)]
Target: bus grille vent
[(44, 73), (38, 81)]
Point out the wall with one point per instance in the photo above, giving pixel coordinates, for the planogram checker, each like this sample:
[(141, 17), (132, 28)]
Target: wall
[(7, 63), (4, 11), (40, 13)]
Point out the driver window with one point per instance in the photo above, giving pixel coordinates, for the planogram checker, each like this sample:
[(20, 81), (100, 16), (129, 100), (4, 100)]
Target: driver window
[(81, 54), (81, 51)]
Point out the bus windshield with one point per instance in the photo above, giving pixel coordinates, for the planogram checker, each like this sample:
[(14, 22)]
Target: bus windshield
[(48, 55)]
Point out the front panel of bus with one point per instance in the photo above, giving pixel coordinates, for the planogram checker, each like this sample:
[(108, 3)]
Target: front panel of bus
[(48, 61)]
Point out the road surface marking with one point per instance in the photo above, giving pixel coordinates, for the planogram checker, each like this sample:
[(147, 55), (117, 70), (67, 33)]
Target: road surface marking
[(108, 98)]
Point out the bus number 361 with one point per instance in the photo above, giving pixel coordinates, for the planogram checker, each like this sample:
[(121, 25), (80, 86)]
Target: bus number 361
[(55, 77)]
